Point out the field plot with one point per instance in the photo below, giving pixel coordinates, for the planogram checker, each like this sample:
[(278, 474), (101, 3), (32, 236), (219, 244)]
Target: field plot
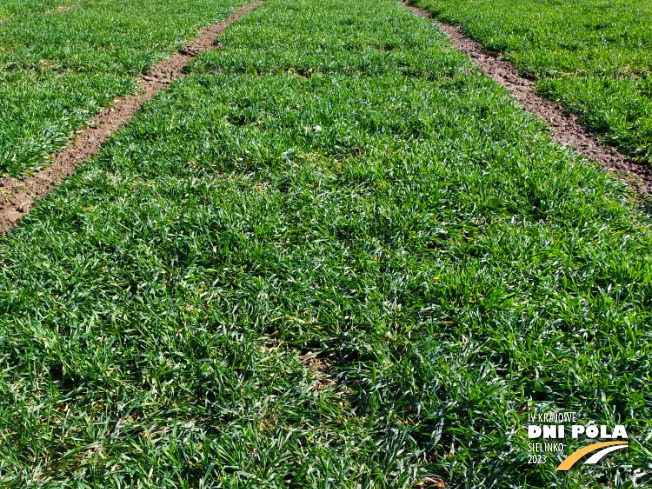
[(335, 255), (62, 61), (592, 56)]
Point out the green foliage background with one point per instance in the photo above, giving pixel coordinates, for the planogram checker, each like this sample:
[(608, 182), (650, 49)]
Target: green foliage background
[(335, 255)]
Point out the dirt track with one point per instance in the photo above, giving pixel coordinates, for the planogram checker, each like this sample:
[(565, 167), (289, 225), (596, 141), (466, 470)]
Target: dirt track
[(19, 195), (564, 127)]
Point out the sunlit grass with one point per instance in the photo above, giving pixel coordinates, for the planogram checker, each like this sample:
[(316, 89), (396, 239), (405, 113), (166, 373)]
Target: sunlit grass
[(303, 268)]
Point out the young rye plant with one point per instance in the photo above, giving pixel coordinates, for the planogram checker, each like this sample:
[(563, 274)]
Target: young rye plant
[(335, 255)]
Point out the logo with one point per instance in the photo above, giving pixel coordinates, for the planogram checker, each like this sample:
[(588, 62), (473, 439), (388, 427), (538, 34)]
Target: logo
[(550, 438), (575, 456)]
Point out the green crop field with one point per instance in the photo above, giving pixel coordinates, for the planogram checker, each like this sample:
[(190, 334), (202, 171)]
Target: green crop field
[(59, 67), (592, 56), (336, 255)]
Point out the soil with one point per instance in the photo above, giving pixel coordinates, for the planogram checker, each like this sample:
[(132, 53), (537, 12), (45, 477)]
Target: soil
[(564, 127), (63, 9), (431, 483), (18, 196), (320, 369)]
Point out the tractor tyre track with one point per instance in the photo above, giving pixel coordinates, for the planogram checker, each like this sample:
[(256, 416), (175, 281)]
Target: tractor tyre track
[(17, 196), (564, 128)]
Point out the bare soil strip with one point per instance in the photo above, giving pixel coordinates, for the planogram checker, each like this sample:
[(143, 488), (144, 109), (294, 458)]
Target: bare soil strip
[(17, 196), (62, 9), (564, 127)]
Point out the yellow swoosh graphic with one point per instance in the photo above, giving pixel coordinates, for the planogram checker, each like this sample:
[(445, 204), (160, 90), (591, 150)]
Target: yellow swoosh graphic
[(575, 456)]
